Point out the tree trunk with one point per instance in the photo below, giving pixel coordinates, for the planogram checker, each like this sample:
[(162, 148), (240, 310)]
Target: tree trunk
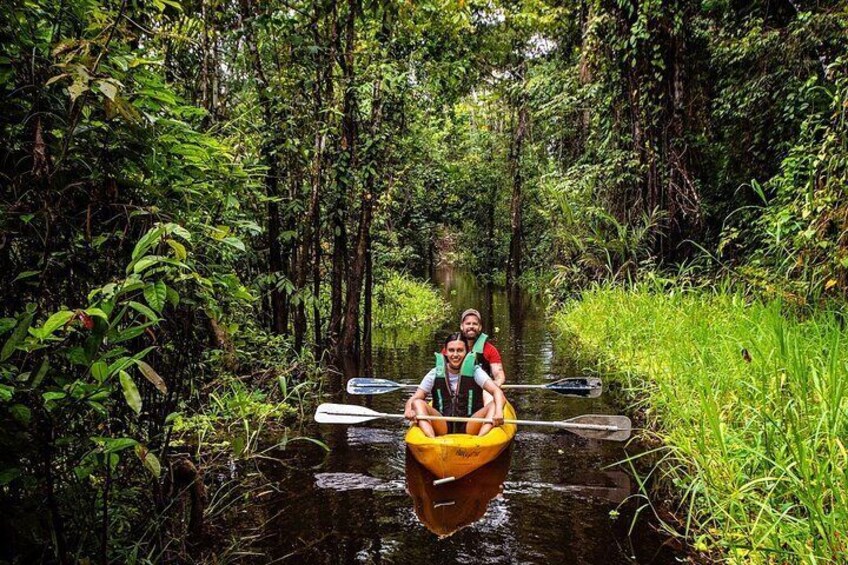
[(514, 264), (344, 179), (311, 244), (275, 263), (350, 330)]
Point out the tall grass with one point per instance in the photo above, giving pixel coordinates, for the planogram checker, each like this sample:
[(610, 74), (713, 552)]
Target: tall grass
[(751, 405)]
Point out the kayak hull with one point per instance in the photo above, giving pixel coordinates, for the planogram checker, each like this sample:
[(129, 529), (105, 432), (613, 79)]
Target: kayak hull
[(456, 455)]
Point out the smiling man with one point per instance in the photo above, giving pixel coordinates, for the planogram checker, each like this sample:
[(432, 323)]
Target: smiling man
[(489, 358)]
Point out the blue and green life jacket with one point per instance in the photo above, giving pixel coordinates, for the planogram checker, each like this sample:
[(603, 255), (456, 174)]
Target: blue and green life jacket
[(469, 395)]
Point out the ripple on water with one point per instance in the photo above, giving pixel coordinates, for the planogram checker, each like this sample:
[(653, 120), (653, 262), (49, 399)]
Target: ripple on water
[(343, 482), (370, 436)]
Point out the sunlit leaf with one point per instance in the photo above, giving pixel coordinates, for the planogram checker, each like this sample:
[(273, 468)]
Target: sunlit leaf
[(234, 242), (147, 241), (143, 310), (100, 371), (156, 294), (108, 88), (131, 393), (179, 249), (53, 323)]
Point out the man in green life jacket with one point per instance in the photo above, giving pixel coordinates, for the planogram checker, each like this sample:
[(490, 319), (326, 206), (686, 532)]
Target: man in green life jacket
[(488, 357), (457, 385)]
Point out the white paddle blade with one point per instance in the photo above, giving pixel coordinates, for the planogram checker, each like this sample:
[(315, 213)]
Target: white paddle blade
[(371, 386), (620, 427), (344, 414)]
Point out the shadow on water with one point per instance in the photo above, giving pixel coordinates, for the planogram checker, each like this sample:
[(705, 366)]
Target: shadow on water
[(553, 497)]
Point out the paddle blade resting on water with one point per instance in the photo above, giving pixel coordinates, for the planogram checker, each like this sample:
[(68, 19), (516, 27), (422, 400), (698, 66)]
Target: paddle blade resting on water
[(588, 387), (345, 414), (363, 385), (621, 425)]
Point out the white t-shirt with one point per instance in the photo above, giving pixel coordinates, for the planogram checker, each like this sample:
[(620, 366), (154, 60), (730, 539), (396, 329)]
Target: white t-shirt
[(480, 377)]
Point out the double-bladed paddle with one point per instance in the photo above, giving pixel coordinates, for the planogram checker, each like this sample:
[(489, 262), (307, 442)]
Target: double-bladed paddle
[(592, 426), (582, 387)]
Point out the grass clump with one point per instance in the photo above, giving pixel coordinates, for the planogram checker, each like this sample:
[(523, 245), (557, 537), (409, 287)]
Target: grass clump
[(751, 406), (406, 310)]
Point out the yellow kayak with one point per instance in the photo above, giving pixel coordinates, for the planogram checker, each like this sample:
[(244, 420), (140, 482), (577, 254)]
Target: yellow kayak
[(456, 455)]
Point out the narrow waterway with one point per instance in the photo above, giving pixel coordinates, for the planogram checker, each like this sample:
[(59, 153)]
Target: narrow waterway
[(552, 498)]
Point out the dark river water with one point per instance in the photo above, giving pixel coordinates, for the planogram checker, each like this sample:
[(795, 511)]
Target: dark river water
[(552, 498)]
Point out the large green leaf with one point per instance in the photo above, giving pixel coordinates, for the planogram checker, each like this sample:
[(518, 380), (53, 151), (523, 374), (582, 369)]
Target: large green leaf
[(114, 444), (100, 371), (53, 323), (156, 294), (131, 393), (144, 310), (147, 241), (234, 242)]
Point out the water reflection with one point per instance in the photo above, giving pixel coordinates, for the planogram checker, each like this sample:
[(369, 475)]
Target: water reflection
[(447, 508)]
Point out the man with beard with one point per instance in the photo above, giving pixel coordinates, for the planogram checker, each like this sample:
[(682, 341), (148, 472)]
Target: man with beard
[(488, 357)]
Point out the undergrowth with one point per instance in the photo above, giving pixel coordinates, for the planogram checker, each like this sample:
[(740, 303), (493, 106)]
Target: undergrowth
[(749, 400), (406, 309)]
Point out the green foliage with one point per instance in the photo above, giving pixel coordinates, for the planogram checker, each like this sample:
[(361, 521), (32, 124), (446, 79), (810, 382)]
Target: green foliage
[(406, 309), (749, 403), (804, 228)]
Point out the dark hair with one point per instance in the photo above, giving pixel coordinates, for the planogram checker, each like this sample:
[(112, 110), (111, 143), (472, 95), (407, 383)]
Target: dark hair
[(456, 336)]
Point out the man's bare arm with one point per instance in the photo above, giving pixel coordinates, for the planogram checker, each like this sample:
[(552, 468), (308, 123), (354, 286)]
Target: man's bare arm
[(498, 374)]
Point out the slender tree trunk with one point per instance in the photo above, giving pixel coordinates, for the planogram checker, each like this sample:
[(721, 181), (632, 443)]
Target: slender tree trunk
[(311, 237), (275, 262), (350, 330), (344, 177), (515, 243)]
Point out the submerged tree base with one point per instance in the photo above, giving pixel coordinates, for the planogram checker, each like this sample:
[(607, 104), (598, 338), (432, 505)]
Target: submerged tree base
[(750, 403)]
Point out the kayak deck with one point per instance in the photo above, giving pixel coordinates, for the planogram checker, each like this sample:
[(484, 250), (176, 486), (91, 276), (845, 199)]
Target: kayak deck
[(456, 455)]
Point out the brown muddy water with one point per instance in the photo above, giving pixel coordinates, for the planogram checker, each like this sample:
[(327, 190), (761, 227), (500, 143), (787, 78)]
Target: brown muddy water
[(552, 498)]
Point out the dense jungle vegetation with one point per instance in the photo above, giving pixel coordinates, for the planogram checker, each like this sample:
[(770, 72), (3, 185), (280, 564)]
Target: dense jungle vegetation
[(206, 204)]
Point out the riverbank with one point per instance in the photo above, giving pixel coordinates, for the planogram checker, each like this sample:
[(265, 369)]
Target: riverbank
[(750, 405)]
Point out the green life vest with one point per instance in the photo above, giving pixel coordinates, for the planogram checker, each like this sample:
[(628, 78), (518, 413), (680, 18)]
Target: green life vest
[(468, 398), (477, 350)]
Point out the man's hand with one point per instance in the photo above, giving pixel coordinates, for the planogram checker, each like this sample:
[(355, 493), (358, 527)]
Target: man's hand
[(498, 418)]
